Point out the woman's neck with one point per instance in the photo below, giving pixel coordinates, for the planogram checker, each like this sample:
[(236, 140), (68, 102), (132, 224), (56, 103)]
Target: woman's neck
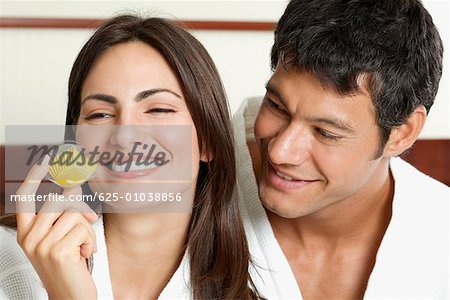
[(142, 248), (144, 235)]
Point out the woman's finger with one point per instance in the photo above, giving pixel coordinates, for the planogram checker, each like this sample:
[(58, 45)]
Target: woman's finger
[(68, 220), (49, 214), (77, 192), (26, 209), (69, 247)]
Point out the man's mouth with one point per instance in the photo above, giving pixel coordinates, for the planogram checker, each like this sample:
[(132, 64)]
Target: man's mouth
[(285, 177), (284, 181), (288, 177)]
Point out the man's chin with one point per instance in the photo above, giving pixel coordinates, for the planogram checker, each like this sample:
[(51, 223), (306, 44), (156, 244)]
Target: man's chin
[(283, 210)]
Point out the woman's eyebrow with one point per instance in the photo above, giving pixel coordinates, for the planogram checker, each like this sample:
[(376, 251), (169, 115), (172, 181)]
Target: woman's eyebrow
[(101, 97), (147, 93), (139, 97)]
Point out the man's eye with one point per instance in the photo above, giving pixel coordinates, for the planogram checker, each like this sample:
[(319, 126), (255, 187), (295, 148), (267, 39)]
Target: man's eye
[(161, 110), (98, 116), (276, 106), (327, 135)]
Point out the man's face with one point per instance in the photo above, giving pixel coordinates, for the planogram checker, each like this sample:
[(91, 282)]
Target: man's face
[(317, 146)]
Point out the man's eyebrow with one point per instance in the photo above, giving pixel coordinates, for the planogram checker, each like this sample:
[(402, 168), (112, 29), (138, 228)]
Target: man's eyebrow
[(334, 122), (147, 93), (273, 90)]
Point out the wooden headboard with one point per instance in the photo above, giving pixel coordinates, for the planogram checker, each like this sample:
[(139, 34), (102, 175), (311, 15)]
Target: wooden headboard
[(78, 23), (432, 157)]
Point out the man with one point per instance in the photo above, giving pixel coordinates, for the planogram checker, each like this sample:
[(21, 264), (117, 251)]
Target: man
[(343, 217)]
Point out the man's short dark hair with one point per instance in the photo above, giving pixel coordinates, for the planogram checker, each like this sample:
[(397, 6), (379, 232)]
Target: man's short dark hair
[(392, 44)]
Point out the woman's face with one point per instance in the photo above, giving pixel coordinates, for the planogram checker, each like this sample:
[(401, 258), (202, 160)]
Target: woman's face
[(133, 111)]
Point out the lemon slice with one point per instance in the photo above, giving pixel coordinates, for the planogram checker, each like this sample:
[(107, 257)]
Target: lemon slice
[(70, 169)]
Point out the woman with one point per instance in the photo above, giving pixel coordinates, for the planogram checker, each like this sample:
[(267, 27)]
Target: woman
[(136, 71)]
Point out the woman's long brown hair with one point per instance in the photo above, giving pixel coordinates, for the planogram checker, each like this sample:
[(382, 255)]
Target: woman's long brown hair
[(218, 250)]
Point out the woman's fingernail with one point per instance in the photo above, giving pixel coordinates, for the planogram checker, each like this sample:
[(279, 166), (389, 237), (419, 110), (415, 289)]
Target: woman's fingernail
[(44, 160)]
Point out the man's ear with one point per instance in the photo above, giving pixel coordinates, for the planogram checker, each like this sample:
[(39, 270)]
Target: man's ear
[(403, 136)]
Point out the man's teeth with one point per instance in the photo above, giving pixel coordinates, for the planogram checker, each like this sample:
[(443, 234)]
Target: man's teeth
[(127, 166), (284, 176)]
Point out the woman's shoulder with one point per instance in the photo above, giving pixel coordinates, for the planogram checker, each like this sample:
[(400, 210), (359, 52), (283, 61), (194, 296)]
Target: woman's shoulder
[(6, 231), (12, 257), (18, 280), (10, 250)]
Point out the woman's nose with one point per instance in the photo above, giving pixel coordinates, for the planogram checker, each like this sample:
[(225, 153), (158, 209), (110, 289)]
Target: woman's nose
[(125, 136), (125, 132)]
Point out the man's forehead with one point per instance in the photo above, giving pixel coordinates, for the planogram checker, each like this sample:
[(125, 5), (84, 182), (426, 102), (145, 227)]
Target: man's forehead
[(365, 83), (288, 92)]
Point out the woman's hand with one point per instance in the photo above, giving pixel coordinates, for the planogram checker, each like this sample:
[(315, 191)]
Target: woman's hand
[(57, 240)]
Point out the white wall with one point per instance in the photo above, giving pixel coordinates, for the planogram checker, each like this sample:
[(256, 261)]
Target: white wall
[(438, 123), (248, 10), (35, 63)]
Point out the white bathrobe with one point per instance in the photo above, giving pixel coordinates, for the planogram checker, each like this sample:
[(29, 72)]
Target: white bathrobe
[(19, 280)]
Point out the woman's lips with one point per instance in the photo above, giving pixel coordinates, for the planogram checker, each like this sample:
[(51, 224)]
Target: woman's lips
[(128, 171)]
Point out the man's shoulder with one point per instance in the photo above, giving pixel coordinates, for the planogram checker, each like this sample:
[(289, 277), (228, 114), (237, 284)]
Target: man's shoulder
[(421, 204), (248, 110), (417, 238), (409, 180), (249, 104)]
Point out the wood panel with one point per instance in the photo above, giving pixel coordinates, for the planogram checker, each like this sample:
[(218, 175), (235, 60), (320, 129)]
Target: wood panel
[(67, 23), (432, 157), (2, 178)]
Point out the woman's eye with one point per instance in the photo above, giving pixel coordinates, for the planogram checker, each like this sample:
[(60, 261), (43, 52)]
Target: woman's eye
[(160, 110), (98, 116), (327, 135)]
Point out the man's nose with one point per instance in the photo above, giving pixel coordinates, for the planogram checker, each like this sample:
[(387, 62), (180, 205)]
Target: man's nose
[(291, 145)]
